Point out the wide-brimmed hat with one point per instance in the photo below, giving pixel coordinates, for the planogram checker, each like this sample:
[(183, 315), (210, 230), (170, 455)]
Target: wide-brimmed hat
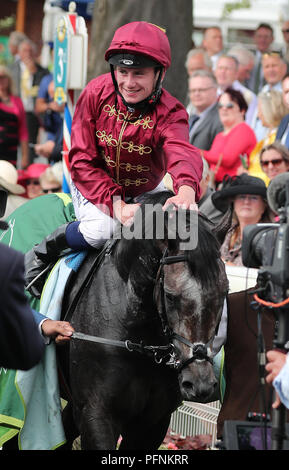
[(243, 184), (9, 177)]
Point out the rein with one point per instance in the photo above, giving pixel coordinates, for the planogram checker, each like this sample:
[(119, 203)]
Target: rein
[(165, 353), (158, 352)]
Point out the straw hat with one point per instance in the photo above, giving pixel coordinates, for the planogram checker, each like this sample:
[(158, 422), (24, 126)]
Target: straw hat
[(8, 178)]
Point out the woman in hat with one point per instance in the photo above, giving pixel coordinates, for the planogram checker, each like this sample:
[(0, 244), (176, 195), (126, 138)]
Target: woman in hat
[(8, 182), (31, 179), (248, 196)]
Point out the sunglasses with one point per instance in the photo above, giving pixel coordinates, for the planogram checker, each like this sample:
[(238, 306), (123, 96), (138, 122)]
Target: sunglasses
[(51, 190), (228, 106), (34, 182), (274, 162)]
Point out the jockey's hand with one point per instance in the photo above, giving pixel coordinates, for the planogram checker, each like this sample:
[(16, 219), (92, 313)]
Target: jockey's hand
[(185, 199), (125, 212), (60, 331)]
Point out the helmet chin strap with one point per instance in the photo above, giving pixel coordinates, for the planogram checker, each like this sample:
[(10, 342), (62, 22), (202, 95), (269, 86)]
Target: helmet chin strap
[(143, 105)]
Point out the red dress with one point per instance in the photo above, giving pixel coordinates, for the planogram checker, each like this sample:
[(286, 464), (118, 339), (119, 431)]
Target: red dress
[(228, 148), (111, 156)]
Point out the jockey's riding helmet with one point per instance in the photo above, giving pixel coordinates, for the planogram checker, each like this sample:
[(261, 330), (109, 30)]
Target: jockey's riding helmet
[(140, 44)]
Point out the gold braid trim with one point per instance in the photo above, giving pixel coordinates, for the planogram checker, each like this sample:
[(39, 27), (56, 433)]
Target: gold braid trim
[(145, 123), (129, 146)]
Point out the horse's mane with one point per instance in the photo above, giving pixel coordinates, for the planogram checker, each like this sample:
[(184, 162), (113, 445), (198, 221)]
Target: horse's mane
[(142, 255)]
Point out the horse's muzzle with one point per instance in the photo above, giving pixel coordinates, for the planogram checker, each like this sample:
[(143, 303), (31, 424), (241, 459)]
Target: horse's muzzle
[(197, 381)]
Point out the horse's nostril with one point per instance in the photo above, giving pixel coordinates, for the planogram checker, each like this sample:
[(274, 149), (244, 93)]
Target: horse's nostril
[(187, 385)]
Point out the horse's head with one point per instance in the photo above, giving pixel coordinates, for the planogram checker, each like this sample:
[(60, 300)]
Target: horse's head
[(189, 285), (190, 308), (190, 291)]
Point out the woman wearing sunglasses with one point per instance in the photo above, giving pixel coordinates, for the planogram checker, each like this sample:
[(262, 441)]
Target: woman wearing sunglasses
[(274, 159), (237, 139)]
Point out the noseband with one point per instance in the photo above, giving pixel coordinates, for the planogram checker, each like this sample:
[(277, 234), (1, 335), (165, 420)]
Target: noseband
[(199, 351)]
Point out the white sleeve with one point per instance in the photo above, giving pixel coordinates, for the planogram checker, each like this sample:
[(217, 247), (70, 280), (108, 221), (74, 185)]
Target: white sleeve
[(221, 337)]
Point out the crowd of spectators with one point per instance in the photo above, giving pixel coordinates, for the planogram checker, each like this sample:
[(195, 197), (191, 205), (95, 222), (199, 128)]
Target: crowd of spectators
[(238, 106), (31, 126)]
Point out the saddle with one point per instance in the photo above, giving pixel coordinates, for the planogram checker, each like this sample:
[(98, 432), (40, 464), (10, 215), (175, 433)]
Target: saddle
[(94, 265)]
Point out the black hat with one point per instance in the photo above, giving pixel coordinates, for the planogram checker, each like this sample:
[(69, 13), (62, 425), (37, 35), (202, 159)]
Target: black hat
[(243, 184)]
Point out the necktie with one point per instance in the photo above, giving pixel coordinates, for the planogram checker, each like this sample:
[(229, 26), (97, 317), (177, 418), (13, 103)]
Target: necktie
[(257, 78), (193, 119)]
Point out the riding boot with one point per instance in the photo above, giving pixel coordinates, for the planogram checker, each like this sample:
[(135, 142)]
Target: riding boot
[(44, 256)]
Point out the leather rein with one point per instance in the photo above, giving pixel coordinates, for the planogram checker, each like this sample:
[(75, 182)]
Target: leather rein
[(161, 354)]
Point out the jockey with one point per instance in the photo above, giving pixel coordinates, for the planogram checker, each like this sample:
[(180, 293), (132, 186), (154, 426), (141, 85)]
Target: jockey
[(127, 132)]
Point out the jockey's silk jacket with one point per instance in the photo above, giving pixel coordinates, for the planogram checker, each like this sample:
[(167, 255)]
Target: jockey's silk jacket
[(110, 156)]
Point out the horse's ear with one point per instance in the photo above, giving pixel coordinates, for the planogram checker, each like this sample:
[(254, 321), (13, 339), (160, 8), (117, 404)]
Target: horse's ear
[(223, 226)]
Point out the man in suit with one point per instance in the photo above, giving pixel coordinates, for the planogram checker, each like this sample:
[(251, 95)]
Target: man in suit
[(263, 38), (23, 331), (283, 129), (21, 344), (226, 73), (205, 123), (245, 59), (213, 43), (197, 59)]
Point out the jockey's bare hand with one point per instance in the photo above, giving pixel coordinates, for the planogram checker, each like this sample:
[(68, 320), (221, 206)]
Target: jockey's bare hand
[(185, 199), (125, 212), (60, 331)]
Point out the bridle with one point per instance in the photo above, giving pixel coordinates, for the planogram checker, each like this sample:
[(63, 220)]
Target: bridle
[(199, 351), (162, 354)]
